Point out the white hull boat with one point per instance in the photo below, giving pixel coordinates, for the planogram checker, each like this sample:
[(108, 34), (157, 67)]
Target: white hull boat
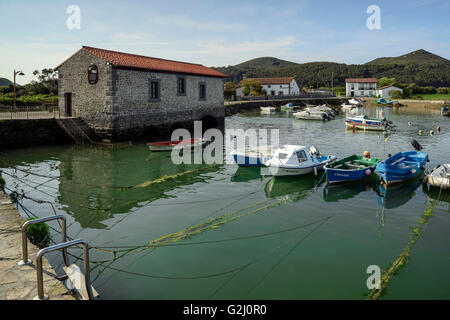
[(252, 157), (311, 115), (347, 106), (292, 160), (355, 102), (440, 176), (267, 109)]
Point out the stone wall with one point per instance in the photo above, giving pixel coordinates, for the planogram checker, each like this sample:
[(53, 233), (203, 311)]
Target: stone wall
[(134, 114), (117, 107), (26, 133), (91, 102)]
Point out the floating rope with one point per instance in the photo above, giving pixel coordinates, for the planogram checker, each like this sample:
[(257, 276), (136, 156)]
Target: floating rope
[(403, 258)]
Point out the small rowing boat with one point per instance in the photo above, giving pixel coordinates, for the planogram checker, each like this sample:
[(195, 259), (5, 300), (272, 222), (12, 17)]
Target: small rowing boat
[(384, 102), (352, 168), (170, 145), (311, 115), (402, 166), (267, 109), (365, 123), (439, 177)]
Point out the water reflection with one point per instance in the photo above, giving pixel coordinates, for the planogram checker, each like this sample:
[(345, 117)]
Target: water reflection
[(244, 174), (436, 193), (96, 184), (397, 195), (296, 188), (335, 193)]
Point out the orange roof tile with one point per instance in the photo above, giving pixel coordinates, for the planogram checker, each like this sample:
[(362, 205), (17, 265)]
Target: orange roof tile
[(267, 81), (133, 61), (361, 80)]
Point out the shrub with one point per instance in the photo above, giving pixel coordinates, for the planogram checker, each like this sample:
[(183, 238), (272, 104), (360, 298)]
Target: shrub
[(39, 234), (2, 182)]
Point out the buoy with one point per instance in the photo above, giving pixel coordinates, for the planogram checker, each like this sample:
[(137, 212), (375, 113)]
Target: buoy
[(409, 123), (431, 132), (420, 132), (438, 128), (368, 172), (366, 154)]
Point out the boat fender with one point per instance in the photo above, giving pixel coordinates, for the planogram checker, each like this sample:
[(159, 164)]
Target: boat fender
[(425, 180), (368, 172)]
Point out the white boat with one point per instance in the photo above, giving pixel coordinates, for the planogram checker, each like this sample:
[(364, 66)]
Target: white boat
[(311, 115), (440, 176), (252, 156), (364, 123), (355, 102), (322, 108), (292, 160), (347, 106), (267, 109)]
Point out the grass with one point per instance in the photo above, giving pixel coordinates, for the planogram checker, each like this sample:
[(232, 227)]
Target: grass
[(435, 96)]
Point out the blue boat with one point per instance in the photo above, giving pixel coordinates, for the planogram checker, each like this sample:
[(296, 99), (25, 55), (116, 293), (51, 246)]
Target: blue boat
[(252, 157), (352, 168), (402, 166)]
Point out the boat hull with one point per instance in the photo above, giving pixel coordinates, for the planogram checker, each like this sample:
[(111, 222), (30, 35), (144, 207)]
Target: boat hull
[(284, 171), (248, 161), (393, 173), (367, 125), (341, 176)]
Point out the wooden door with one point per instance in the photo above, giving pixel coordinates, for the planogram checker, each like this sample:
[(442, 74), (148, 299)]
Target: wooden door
[(68, 103)]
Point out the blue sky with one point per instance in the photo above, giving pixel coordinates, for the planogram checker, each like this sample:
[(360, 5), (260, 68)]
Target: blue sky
[(216, 33)]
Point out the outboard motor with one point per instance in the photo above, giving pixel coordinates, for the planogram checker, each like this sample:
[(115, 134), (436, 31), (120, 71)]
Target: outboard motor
[(416, 145), (325, 116)]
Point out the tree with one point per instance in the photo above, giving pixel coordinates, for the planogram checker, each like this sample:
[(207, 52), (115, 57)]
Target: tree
[(251, 86), (229, 90), (48, 78), (387, 82)]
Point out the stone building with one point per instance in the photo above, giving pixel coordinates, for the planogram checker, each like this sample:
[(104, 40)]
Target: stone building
[(122, 96), (282, 86)]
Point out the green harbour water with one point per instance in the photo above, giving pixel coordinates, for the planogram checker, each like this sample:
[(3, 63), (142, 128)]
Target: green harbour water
[(283, 238)]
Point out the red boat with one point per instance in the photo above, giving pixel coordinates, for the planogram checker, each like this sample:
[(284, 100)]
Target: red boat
[(169, 145)]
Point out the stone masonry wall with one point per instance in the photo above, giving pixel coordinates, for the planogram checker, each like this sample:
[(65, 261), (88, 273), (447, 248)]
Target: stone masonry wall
[(117, 107), (91, 102), (133, 112)]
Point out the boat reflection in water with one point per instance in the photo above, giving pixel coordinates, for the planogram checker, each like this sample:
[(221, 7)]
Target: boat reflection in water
[(245, 174), (395, 196), (436, 193), (294, 188), (337, 192)]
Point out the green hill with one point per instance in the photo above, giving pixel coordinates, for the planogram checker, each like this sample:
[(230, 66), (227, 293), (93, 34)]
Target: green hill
[(416, 57), (4, 82), (420, 67)]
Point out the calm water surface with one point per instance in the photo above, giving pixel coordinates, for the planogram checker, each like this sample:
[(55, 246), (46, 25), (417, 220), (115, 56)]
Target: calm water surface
[(288, 238)]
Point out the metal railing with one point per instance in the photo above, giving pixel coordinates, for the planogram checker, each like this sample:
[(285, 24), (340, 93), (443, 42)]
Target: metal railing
[(28, 112), (62, 246)]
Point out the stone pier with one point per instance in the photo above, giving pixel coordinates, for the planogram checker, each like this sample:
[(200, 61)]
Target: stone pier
[(19, 282)]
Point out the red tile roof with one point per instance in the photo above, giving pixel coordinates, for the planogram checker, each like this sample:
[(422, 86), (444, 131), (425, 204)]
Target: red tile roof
[(267, 81), (133, 61), (361, 80)]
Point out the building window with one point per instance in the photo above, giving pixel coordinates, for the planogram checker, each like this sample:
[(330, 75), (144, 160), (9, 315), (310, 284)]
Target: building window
[(93, 74), (202, 91), (154, 87), (181, 86)]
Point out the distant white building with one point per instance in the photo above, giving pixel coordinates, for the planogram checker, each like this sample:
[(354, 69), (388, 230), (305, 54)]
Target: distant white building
[(360, 87), (273, 86), (383, 92)]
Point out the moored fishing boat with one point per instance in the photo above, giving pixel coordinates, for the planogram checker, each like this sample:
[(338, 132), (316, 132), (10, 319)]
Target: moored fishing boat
[(288, 107), (322, 108), (439, 177), (355, 102), (352, 168), (267, 109), (402, 166), (295, 160), (384, 102), (252, 156), (311, 115), (365, 123), (347, 106), (170, 145)]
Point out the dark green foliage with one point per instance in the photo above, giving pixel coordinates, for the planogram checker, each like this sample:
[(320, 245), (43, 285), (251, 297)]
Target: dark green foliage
[(39, 234), (419, 67), (2, 182)]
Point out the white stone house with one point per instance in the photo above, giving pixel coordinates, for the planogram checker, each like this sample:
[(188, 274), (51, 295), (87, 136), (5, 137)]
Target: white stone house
[(281, 86), (383, 92), (360, 87)]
